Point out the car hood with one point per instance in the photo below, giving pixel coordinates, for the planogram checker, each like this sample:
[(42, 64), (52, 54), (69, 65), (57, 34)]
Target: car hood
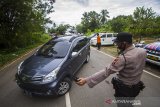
[(94, 38), (153, 46), (39, 65)]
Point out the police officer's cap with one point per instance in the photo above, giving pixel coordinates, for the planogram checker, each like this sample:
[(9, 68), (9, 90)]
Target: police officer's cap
[(123, 37)]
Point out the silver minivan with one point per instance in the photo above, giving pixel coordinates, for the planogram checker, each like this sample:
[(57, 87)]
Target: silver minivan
[(106, 39)]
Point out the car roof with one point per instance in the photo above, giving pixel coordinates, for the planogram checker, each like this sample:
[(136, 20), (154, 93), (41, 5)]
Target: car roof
[(67, 38), (153, 46), (107, 33)]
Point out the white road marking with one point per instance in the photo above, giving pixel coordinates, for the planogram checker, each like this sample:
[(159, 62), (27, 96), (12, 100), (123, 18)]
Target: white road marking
[(68, 102), (114, 57), (151, 74)]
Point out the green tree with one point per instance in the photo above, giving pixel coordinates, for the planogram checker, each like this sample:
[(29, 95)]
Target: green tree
[(104, 16), (85, 22), (143, 20), (79, 28), (90, 20), (120, 23), (60, 30), (21, 21), (156, 26)]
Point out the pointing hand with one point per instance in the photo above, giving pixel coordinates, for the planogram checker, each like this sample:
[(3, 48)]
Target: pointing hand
[(81, 81)]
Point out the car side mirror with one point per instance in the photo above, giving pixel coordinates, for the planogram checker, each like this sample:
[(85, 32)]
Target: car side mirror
[(74, 54)]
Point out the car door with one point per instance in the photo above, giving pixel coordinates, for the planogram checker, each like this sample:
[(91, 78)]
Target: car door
[(103, 39), (85, 49), (109, 38), (77, 60)]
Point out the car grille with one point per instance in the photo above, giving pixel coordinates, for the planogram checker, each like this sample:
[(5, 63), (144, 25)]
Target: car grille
[(153, 52), (33, 87), (153, 55), (27, 79)]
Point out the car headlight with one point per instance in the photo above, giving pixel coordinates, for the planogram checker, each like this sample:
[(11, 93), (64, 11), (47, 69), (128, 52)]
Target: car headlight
[(51, 76), (19, 67)]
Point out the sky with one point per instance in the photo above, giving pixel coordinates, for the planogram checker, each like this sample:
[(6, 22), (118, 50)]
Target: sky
[(70, 11)]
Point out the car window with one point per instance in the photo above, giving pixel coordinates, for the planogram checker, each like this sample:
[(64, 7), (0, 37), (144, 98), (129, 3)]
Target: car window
[(114, 34), (103, 36), (55, 49), (109, 35), (80, 44)]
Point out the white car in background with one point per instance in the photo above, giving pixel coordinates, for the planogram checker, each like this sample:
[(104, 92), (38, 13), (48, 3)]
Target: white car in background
[(106, 39)]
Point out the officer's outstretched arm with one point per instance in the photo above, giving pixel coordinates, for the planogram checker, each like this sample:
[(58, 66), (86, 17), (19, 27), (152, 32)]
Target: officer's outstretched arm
[(96, 78), (116, 66)]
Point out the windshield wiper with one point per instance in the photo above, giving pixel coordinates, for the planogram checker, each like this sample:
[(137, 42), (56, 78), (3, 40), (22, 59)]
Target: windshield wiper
[(45, 55), (49, 55), (58, 56)]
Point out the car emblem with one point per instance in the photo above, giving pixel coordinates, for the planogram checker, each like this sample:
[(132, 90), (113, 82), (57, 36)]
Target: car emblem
[(24, 78)]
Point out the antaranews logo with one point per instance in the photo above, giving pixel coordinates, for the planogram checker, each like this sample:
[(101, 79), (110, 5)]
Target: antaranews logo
[(133, 102)]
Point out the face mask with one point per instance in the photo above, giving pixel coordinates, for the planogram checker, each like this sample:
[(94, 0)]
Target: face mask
[(121, 47), (119, 51)]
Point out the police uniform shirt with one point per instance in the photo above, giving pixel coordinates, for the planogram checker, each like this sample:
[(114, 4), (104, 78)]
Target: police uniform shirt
[(129, 67)]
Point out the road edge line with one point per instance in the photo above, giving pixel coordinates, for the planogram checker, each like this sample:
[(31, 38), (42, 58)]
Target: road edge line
[(68, 101), (143, 70), (151, 74)]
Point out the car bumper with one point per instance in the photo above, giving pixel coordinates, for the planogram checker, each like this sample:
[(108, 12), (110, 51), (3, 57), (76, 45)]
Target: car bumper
[(153, 59), (38, 89)]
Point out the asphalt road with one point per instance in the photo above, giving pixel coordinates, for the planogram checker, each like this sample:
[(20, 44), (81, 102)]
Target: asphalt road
[(12, 96)]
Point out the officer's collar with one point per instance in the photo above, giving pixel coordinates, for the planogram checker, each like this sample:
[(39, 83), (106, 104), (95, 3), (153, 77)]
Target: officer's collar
[(129, 48)]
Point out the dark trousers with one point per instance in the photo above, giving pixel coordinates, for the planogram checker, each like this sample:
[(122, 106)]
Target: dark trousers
[(98, 46), (125, 94)]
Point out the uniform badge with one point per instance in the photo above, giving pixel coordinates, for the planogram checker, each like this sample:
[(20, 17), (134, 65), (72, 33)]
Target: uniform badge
[(115, 61)]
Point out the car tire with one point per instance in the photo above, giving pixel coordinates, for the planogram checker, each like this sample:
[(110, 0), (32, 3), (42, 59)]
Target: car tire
[(87, 58), (64, 86)]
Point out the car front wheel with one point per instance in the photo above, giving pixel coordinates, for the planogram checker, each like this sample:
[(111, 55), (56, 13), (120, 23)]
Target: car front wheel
[(64, 86)]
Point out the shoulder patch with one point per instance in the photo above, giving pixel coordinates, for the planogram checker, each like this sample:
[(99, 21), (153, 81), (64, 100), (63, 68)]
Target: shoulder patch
[(115, 61)]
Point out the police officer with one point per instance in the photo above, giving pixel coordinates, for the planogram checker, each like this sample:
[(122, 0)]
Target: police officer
[(129, 64)]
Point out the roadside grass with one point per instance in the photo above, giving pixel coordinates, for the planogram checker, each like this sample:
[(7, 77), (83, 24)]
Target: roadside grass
[(7, 56), (149, 40), (146, 39), (111, 50)]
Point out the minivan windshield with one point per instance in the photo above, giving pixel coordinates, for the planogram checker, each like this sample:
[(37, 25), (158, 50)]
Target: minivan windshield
[(56, 49)]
